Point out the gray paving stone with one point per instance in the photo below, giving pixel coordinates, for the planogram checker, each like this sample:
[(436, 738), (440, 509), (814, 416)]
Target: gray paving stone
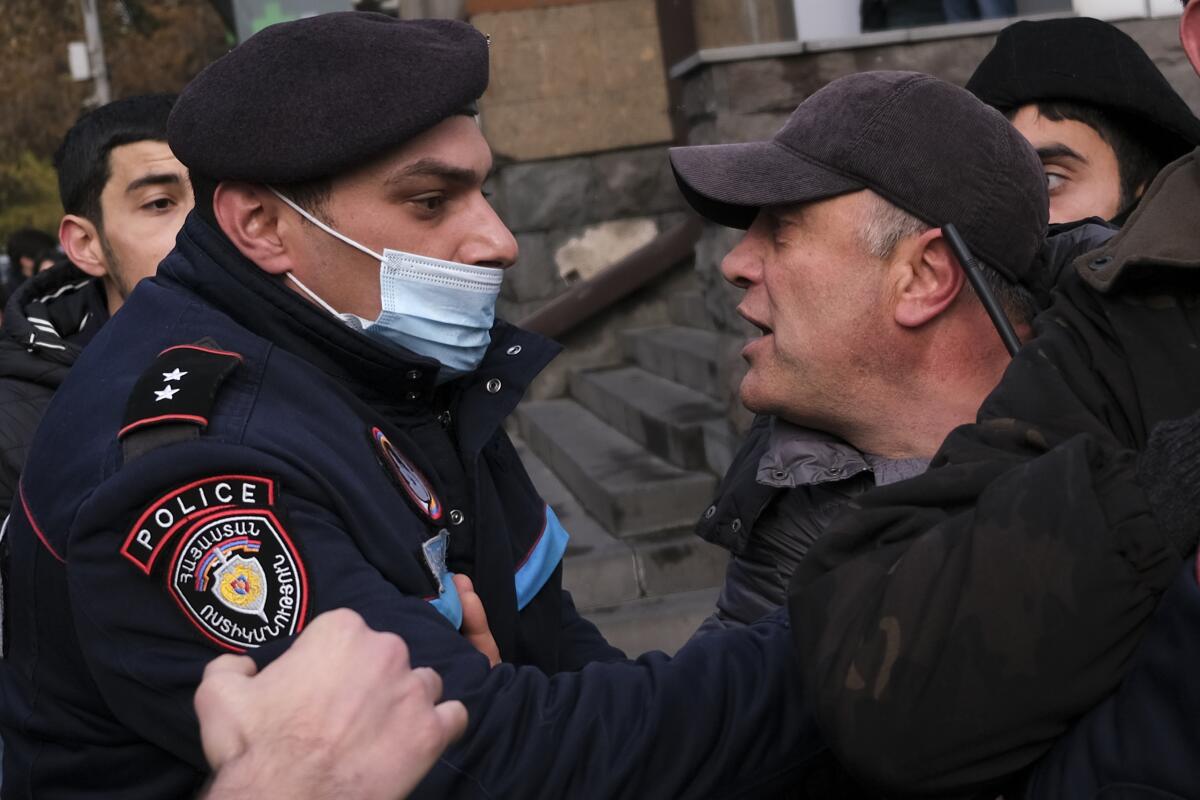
[(679, 563), (657, 623), (602, 577)]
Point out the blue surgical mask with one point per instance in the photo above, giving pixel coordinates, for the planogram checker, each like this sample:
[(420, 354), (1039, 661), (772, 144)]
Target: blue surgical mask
[(440, 309)]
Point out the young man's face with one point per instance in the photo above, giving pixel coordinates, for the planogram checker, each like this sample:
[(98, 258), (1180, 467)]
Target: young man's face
[(424, 198), (1082, 174), (143, 206), (818, 298)]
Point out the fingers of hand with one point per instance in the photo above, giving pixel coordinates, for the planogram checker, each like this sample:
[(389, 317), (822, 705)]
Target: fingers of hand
[(475, 627), (430, 682), (453, 716), (220, 709)]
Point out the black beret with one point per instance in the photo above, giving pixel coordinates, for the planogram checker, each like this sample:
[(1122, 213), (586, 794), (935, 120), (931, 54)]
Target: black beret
[(310, 99), (1086, 61)]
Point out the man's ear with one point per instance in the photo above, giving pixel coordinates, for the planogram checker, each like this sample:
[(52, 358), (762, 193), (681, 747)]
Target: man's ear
[(930, 279), (249, 215), (1189, 33), (80, 240)]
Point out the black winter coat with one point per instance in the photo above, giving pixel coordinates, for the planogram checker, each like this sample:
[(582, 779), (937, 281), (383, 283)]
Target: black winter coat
[(47, 322), (956, 625)]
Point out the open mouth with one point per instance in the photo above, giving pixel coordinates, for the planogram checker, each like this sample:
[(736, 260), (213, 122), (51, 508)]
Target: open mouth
[(764, 329)]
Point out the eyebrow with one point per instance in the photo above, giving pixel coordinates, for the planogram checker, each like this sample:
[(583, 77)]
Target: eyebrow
[(790, 213), (432, 168), (154, 179), (1059, 151)]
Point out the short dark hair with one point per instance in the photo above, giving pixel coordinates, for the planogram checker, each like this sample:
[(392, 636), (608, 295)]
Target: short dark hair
[(82, 159), (1135, 145), (28, 243), (309, 195)]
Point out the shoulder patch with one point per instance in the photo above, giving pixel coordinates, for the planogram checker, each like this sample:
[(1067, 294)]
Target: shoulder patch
[(233, 569), (180, 387), (237, 577)]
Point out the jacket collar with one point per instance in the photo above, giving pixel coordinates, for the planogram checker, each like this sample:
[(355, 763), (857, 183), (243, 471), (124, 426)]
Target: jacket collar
[(47, 322), (797, 456), (206, 263), (1161, 233)]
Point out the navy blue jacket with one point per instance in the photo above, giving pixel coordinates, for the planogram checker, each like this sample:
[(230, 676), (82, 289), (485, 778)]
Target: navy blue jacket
[(144, 544), (1141, 743)]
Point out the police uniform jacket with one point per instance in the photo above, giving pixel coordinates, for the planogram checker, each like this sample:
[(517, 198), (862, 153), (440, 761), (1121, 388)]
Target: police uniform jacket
[(226, 461)]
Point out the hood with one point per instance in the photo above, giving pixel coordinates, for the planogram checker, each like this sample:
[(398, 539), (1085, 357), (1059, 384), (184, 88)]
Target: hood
[(47, 322)]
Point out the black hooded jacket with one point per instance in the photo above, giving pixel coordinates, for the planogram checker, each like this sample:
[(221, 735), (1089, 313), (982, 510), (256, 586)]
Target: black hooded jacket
[(47, 322)]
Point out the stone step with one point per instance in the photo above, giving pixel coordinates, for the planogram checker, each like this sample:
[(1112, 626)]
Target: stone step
[(684, 355), (627, 489), (664, 417), (678, 561), (656, 623), (598, 569), (681, 563), (687, 309)]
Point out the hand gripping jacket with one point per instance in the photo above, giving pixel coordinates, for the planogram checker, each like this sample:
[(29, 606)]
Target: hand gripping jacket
[(225, 461)]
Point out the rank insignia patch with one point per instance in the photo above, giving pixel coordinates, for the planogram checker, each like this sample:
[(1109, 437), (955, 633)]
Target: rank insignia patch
[(407, 476), (238, 578), (179, 387)]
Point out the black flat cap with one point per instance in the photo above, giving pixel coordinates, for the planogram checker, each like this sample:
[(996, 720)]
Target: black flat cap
[(312, 98), (1086, 61), (929, 147)]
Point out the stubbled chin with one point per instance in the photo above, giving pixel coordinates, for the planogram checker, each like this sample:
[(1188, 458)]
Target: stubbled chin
[(747, 394)]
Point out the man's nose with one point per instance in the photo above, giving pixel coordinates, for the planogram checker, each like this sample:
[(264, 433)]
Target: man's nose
[(743, 265), (490, 242)]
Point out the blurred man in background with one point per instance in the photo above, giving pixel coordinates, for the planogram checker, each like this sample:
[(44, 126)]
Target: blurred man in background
[(125, 197), (1101, 115)]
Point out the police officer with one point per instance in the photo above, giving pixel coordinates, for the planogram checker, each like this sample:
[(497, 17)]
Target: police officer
[(303, 411)]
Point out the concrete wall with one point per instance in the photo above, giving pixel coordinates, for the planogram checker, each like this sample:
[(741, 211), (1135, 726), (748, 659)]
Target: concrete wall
[(725, 23), (574, 216), (575, 78)]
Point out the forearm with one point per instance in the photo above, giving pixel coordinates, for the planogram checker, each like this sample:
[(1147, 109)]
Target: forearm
[(723, 715)]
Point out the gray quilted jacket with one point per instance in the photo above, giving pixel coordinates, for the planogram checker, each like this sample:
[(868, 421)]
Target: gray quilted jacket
[(784, 487)]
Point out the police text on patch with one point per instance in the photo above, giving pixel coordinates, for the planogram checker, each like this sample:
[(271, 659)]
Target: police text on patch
[(171, 512)]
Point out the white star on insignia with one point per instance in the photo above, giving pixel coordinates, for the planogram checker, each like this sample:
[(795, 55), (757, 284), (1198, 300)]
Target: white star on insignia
[(175, 375), (165, 394)]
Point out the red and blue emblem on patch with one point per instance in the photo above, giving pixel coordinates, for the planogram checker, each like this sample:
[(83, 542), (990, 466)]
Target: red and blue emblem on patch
[(415, 485), (238, 578)]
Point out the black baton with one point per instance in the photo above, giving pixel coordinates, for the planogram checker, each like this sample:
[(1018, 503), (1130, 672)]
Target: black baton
[(982, 290)]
